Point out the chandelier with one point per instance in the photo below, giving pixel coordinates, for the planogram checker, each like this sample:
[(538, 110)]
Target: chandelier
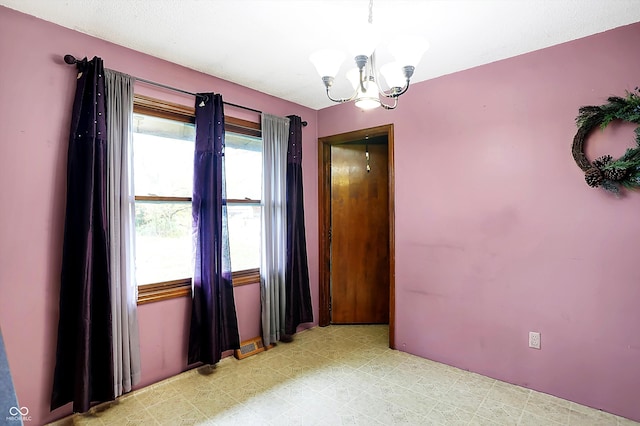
[(365, 79)]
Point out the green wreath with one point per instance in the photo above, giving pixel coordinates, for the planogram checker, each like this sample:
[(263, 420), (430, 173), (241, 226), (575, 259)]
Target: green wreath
[(605, 172)]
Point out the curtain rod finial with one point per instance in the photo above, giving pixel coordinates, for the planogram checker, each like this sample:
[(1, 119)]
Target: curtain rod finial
[(70, 59)]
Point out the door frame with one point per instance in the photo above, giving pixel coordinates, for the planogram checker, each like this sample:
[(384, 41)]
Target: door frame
[(324, 217)]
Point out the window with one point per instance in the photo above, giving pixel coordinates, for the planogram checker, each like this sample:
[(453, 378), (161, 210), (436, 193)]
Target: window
[(163, 149), (243, 164), (163, 176)]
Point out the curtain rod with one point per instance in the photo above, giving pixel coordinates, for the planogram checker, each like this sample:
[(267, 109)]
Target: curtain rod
[(71, 60)]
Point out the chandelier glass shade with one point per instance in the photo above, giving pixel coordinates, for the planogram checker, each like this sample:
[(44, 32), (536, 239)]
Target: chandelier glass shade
[(367, 80)]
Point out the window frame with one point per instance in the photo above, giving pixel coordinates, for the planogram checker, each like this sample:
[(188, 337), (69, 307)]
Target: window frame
[(146, 105)]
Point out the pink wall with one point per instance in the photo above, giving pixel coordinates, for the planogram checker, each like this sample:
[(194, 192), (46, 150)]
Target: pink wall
[(36, 95), (497, 233)]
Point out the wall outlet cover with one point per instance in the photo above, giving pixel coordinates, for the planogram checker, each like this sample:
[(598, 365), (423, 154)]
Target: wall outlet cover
[(534, 339)]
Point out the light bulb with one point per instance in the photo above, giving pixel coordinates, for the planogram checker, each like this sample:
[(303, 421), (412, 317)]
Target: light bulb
[(366, 104), (370, 99)]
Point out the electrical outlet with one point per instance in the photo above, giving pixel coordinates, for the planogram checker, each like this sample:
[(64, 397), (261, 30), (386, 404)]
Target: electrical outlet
[(534, 340)]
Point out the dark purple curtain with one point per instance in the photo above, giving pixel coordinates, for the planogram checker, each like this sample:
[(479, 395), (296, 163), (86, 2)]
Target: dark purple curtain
[(298, 306), (84, 368), (214, 326)]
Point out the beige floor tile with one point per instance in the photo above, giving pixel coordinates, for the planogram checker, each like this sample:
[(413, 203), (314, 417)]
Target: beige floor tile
[(346, 416), (412, 401), (156, 394), (389, 358), (341, 391), (474, 382), (338, 375), (409, 364), (499, 412), (301, 414), (625, 422), (528, 419), (376, 368), (548, 408), (590, 417), (447, 414), (320, 403), (176, 410), (514, 396), (407, 378), (319, 380), (240, 418), (481, 421), (337, 353), (468, 400), (374, 350), (383, 410), (213, 404), (266, 407), (339, 371), (246, 391), (542, 398), (443, 371), (378, 387), (431, 389), (356, 361), (128, 412)]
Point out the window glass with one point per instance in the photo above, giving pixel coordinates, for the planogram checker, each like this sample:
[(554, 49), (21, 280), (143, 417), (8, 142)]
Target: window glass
[(243, 164), (163, 156), (163, 171), (163, 241), (244, 236)]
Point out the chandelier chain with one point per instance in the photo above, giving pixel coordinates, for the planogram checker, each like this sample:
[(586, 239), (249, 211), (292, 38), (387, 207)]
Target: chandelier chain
[(371, 11)]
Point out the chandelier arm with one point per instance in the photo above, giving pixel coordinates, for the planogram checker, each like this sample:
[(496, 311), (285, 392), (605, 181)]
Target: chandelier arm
[(388, 107), (408, 72), (342, 100), (403, 91), (393, 94)]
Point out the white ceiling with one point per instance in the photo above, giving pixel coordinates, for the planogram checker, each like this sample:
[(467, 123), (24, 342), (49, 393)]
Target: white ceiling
[(265, 44)]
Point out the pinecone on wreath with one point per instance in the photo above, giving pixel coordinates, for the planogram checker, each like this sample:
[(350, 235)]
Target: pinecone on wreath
[(600, 162), (593, 177), (615, 174)]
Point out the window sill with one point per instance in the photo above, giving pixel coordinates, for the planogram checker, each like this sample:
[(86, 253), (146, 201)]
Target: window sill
[(162, 291), (249, 276), (156, 292)]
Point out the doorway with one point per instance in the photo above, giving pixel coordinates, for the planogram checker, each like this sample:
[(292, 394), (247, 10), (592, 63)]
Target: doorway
[(356, 212)]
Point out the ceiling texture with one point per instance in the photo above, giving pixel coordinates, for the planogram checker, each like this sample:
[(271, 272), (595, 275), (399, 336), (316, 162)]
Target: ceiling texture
[(265, 44)]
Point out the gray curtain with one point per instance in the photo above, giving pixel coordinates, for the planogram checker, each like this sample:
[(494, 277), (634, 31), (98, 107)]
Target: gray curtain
[(121, 206), (275, 135)]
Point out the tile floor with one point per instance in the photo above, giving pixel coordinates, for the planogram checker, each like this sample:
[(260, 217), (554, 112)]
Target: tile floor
[(335, 376)]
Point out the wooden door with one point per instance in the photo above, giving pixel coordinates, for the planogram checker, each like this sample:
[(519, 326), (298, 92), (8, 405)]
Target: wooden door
[(360, 233)]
